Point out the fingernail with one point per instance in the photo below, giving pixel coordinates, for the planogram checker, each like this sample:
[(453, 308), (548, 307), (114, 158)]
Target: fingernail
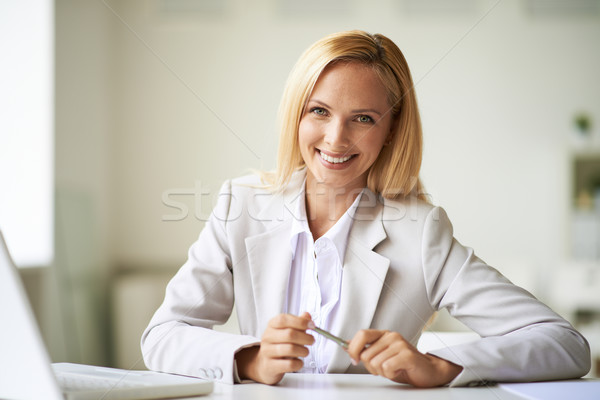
[(354, 362), (311, 325)]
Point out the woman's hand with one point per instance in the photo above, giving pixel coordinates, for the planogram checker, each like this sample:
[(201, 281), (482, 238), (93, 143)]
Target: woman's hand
[(391, 356), (281, 345)]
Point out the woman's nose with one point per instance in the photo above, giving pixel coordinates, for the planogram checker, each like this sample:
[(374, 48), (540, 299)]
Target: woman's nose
[(336, 132)]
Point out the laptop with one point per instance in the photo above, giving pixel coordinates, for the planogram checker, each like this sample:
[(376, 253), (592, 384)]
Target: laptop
[(26, 371)]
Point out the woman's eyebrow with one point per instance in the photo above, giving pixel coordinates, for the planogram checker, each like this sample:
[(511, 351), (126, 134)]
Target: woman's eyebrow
[(361, 110), (319, 102), (366, 110)]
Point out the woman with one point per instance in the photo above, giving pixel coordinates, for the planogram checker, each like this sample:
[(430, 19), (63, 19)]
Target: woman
[(341, 236)]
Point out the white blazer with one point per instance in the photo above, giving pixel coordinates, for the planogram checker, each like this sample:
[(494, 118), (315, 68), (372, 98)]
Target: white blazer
[(402, 264)]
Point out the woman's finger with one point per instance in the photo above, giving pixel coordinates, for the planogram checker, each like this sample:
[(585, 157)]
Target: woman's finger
[(284, 350), (361, 340), (287, 335), (385, 341), (290, 321), (388, 362)]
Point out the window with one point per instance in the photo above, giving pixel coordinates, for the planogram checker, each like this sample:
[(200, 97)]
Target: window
[(26, 129)]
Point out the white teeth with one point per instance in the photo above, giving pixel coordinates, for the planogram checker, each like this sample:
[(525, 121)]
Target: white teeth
[(334, 160)]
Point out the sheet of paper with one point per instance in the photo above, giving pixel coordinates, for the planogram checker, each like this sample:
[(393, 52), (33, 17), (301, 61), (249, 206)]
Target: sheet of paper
[(581, 389)]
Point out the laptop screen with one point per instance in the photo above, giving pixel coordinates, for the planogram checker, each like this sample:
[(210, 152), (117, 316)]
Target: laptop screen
[(25, 370)]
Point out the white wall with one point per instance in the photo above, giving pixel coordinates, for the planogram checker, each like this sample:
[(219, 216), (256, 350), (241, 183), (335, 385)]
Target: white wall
[(159, 101)]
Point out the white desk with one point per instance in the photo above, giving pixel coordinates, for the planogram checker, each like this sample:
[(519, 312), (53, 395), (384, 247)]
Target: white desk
[(348, 387)]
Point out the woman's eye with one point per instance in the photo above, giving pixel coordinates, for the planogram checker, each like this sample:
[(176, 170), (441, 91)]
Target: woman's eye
[(364, 118), (319, 111)]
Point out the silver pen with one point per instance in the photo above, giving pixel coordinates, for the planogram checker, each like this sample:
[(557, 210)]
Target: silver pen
[(330, 336)]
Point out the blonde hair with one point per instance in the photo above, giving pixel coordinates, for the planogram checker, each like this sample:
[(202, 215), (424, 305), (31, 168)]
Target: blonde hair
[(395, 173)]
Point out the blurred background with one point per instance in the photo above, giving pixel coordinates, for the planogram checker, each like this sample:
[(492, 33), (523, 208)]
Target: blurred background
[(157, 102)]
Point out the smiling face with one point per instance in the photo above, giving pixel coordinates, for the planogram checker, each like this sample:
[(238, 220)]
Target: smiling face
[(344, 126)]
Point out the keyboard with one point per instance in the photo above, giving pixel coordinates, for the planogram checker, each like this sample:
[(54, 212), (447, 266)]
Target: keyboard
[(73, 382), (85, 382)]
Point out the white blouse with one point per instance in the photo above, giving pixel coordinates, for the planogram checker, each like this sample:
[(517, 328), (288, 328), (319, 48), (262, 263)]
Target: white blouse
[(316, 278)]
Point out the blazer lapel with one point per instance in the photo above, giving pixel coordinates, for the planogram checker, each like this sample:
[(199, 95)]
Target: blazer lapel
[(270, 257), (363, 276), (270, 253)]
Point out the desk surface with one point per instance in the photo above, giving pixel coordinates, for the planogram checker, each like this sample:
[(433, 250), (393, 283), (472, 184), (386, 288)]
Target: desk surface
[(348, 387)]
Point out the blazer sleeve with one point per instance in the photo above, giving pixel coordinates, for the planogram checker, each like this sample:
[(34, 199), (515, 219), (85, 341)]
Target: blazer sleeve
[(179, 339), (521, 338)]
